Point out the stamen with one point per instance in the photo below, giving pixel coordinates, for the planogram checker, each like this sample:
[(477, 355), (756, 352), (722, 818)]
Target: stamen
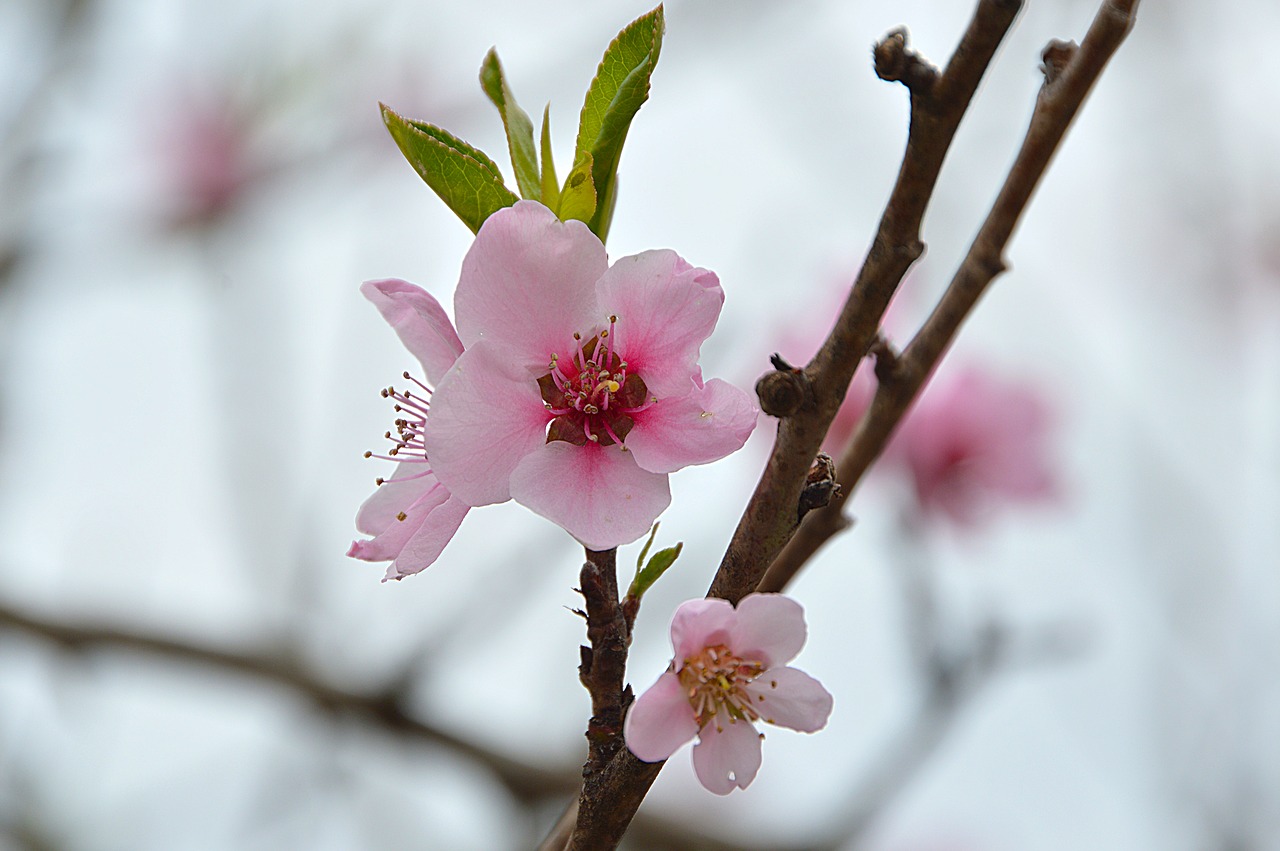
[(715, 680), (403, 478), (587, 387), (407, 442)]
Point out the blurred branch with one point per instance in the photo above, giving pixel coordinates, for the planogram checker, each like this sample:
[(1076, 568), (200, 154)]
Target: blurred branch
[(384, 709), (20, 151), (1069, 74), (950, 673)]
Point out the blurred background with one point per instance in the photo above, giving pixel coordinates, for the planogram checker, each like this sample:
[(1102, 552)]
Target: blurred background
[(1053, 627)]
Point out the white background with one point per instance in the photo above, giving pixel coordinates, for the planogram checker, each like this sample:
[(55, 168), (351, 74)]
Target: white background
[(183, 412)]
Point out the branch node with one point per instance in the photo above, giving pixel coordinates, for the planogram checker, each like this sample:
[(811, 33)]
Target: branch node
[(895, 62), (886, 359), (783, 391), (820, 486), (1055, 58)]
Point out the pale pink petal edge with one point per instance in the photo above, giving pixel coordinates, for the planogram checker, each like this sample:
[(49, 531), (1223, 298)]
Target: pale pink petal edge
[(727, 755), (791, 699), (705, 425), (419, 321), (768, 627), (660, 720)]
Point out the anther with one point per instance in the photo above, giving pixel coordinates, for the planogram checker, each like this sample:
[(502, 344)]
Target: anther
[(401, 516), (369, 453)]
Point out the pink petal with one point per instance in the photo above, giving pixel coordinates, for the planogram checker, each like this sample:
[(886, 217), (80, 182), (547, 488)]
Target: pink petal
[(391, 539), (974, 441), (425, 547), (698, 624), (402, 489), (596, 493), (419, 321), (414, 543), (705, 425), (769, 628), (791, 698), (660, 721), (483, 421), (727, 755), (665, 309), (528, 283)]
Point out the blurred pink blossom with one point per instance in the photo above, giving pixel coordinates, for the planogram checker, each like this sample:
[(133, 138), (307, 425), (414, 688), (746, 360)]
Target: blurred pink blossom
[(973, 440), (570, 386), (729, 671), (800, 342), (206, 157)]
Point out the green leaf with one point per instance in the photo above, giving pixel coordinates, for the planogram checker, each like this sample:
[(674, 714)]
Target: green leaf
[(524, 156), (550, 185), (620, 88), (653, 533), (464, 177), (657, 566), (578, 197)]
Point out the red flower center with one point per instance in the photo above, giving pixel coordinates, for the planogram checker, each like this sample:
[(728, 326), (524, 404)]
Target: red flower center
[(591, 394)]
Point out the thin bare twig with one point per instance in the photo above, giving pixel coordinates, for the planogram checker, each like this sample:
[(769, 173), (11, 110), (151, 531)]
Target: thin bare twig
[(1070, 73)]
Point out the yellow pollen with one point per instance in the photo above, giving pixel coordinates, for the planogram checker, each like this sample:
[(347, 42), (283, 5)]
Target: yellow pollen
[(715, 681), (612, 386)]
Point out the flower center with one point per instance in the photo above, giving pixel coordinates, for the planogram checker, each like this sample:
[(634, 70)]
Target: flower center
[(591, 394), (406, 443), (714, 679)]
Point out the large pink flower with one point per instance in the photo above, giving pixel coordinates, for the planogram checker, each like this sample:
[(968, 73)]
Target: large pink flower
[(570, 386), (729, 671)]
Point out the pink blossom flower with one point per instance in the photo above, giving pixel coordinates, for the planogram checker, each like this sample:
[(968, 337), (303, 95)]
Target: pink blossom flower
[(729, 671), (973, 440), (570, 385), (208, 156)]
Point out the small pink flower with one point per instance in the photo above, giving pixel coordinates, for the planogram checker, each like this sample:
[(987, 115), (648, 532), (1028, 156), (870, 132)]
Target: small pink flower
[(729, 671), (570, 386), (973, 440)]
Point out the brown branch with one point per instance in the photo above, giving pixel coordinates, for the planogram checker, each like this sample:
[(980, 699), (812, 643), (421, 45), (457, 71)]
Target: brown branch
[(383, 709), (1070, 72), (603, 669), (938, 102)]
